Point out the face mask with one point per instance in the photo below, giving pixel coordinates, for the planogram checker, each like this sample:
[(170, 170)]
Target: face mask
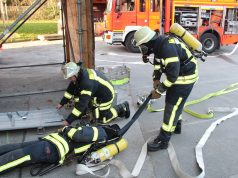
[(145, 50)]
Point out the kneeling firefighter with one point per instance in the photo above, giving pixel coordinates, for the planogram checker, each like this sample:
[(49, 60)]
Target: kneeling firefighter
[(54, 148), (173, 58), (89, 86)]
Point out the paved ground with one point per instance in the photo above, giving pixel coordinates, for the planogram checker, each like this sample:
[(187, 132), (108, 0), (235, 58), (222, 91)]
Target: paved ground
[(220, 155)]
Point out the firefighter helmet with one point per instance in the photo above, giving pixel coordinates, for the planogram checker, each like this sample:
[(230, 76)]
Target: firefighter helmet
[(70, 69), (143, 35)]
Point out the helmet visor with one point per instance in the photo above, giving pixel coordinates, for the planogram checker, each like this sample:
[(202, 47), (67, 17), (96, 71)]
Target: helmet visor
[(64, 71)]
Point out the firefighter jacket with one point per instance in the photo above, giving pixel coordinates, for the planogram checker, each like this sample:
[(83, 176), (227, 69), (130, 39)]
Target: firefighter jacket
[(90, 85), (174, 59), (78, 139)]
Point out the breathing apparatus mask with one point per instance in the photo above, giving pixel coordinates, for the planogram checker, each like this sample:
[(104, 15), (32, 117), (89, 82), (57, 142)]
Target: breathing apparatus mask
[(146, 49)]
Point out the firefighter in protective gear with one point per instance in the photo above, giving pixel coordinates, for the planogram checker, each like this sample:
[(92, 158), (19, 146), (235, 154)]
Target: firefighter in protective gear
[(91, 87), (173, 58), (53, 148)]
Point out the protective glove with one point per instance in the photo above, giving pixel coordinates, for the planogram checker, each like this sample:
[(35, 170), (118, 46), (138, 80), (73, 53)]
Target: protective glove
[(156, 84), (59, 106), (155, 95), (61, 130), (65, 123)]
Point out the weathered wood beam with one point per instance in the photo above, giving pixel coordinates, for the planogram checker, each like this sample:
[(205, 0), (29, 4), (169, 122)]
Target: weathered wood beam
[(79, 17)]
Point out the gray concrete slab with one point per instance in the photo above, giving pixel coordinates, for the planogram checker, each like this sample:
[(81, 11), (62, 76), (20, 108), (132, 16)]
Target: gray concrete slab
[(219, 153)]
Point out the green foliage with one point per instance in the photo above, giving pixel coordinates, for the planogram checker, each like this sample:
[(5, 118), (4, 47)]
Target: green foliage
[(49, 11), (31, 29)]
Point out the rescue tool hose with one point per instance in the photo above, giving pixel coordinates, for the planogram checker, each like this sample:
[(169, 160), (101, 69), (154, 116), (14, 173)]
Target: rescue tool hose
[(210, 114), (135, 117)]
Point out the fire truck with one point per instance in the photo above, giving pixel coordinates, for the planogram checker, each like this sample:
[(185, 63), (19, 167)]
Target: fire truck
[(213, 22)]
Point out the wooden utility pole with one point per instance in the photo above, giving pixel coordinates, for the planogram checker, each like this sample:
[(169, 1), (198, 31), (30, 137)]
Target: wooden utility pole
[(80, 44)]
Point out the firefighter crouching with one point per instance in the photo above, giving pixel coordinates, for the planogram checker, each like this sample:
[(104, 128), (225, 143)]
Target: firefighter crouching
[(173, 58), (53, 148), (89, 85)]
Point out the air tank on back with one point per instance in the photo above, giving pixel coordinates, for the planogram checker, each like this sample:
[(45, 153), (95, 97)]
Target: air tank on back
[(190, 40)]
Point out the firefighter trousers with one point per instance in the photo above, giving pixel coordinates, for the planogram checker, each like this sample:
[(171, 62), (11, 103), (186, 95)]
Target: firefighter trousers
[(176, 97), (27, 153)]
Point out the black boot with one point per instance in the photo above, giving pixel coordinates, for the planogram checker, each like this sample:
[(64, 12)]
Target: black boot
[(161, 141), (178, 128), (123, 110), (157, 144)]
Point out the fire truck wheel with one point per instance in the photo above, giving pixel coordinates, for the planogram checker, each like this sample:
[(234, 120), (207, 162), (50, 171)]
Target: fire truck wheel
[(209, 42), (130, 46)]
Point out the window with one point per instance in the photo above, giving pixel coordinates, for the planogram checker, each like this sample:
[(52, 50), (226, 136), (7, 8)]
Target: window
[(142, 6), (155, 5), (127, 5), (109, 6)]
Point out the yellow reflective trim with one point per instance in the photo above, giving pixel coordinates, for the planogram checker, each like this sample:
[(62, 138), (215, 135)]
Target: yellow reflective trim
[(67, 95), (59, 146), (162, 60), (120, 82), (85, 92), (169, 127), (180, 117), (76, 112), (106, 104), (15, 163), (167, 83), (71, 132), (96, 113), (110, 87), (62, 140), (157, 67), (82, 149), (184, 82), (171, 40), (189, 54), (188, 77), (114, 115), (114, 112), (158, 91), (105, 107), (76, 99), (92, 74), (95, 134), (170, 60), (173, 128)]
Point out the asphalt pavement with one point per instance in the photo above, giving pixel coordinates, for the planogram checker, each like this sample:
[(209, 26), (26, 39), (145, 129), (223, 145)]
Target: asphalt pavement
[(220, 152)]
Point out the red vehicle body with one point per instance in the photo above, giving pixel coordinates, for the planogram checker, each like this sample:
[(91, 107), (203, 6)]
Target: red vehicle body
[(213, 22)]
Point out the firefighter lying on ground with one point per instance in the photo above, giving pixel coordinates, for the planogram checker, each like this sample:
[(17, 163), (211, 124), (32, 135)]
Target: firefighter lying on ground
[(53, 148), (173, 58), (89, 85)]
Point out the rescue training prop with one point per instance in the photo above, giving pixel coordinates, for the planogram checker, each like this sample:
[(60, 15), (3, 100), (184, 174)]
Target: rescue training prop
[(30, 119)]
